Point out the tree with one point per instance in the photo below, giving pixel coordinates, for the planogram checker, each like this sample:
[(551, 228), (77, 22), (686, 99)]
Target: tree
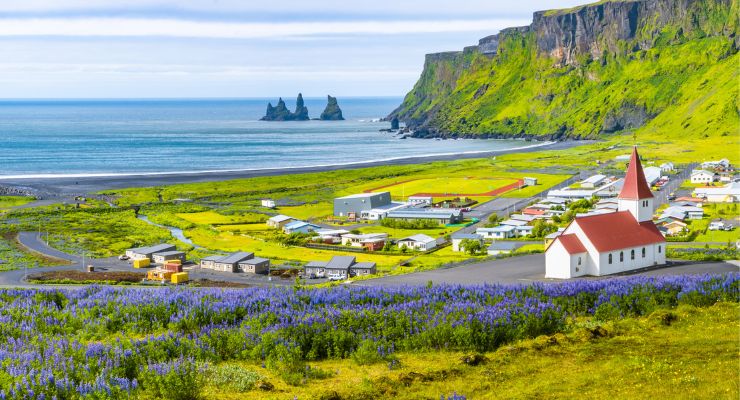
[(493, 218)]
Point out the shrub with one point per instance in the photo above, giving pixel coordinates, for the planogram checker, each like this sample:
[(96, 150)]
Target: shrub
[(233, 377)]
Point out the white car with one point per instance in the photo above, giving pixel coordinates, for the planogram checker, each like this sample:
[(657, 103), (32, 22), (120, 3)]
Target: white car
[(335, 277)]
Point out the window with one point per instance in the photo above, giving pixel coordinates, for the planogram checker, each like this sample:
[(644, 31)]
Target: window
[(579, 260), (643, 252), (621, 256), (632, 255), (659, 249), (610, 258)]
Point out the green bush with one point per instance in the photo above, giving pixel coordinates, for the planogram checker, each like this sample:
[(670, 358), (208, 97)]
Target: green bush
[(233, 378)]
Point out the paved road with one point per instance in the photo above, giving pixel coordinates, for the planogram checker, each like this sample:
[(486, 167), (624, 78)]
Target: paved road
[(530, 268), (33, 241), (661, 197)]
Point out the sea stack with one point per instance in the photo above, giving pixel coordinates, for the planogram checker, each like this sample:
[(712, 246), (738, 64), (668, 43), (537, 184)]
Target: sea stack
[(332, 112), (394, 123), (281, 112)]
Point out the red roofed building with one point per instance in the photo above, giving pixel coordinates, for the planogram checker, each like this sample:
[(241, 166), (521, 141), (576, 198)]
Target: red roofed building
[(606, 244)]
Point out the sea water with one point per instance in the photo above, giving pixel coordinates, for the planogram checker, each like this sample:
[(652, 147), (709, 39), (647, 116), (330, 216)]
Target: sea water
[(99, 137)]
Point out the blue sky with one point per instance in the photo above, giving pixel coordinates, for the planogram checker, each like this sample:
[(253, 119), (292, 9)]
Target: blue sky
[(236, 48)]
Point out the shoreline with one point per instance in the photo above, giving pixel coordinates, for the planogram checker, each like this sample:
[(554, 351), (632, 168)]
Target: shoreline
[(78, 184)]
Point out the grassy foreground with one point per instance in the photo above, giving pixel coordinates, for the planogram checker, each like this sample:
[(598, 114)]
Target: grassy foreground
[(687, 353)]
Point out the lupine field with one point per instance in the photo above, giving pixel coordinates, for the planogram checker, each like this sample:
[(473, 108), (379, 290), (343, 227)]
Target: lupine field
[(110, 343)]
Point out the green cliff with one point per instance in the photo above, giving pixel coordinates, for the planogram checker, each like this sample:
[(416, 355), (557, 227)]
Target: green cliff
[(661, 67)]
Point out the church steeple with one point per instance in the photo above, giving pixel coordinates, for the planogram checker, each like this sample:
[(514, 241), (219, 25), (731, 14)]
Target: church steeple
[(636, 196)]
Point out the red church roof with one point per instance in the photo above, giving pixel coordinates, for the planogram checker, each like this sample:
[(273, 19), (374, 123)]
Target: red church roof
[(571, 243), (635, 186), (618, 230)]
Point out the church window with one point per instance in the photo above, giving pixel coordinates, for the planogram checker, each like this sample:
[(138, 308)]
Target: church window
[(632, 255), (659, 249), (621, 256), (610, 258), (643, 252), (579, 260)]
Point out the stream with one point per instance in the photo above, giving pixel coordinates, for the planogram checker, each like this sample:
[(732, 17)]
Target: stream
[(176, 232)]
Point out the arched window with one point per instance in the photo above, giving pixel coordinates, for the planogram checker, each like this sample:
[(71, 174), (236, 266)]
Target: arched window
[(643, 252), (632, 254), (610, 258), (659, 249), (621, 256), (579, 260)]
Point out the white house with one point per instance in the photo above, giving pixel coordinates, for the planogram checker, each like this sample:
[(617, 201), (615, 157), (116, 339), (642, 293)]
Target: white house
[(593, 181), (667, 167), (497, 232), (652, 174), (702, 176), (353, 240), (614, 242), (457, 239), (419, 242), (268, 203)]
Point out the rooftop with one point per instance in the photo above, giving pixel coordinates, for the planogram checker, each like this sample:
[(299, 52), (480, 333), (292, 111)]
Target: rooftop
[(340, 262), (363, 195), (418, 238), (618, 230), (236, 257), (635, 186)]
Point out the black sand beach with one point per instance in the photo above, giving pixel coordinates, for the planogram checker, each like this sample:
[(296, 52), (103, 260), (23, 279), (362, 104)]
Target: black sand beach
[(65, 186)]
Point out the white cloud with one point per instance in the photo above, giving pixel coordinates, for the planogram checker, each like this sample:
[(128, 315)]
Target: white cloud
[(141, 27)]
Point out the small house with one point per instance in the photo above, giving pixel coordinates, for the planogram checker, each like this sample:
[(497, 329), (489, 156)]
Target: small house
[(300, 227), (338, 267), (209, 262), (163, 257), (368, 240), (667, 167), (703, 176), (593, 181), (230, 262), (530, 181), (443, 217), (362, 269), (148, 252), (315, 269), (729, 193), (418, 242), (279, 221), (458, 238), (674, 227), (268, 203), (357, 203), (497, 248), (497, 232), (254, 265)]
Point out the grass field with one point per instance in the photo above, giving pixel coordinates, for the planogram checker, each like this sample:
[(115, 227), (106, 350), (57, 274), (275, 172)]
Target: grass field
[(693, 356), (13, 256), (448, 186), (7, 202)]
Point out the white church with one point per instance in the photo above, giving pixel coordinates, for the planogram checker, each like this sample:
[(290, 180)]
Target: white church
[(606, 244)]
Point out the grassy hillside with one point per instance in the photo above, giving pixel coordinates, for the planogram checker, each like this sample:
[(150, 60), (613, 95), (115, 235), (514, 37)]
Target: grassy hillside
[(684, 84)]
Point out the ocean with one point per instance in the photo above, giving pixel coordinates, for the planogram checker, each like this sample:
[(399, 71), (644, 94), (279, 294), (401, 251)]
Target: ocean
[(125, 137)]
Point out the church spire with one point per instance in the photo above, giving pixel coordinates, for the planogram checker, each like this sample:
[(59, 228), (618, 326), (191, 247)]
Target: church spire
[(635, 186)]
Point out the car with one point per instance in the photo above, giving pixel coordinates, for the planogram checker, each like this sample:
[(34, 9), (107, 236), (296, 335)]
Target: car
[(123, 257), (335, 277)]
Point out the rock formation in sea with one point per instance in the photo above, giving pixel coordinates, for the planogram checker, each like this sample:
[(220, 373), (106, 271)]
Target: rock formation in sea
[(332, 112), (394, 123), (282, 113)]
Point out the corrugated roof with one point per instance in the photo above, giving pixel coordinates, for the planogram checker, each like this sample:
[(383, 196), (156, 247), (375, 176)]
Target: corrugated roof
[(618, 230), (340, 262), (236, 257), (500, 228), (169, 253), (635, 186), (316, 264), (254, 260), (363, 265), (503, 246)]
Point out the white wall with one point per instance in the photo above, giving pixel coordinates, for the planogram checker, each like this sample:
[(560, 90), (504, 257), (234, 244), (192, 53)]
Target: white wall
[(652, 258), (560, 264)]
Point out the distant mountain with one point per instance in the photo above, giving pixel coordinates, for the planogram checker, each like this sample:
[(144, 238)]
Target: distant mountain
[(668, 67), (282, 113)]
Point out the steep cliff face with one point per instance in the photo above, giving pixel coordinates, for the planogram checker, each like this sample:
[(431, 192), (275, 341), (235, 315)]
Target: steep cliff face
[(597, 68)]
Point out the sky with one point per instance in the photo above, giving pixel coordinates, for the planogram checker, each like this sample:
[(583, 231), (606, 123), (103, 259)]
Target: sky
[(236, 48)]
